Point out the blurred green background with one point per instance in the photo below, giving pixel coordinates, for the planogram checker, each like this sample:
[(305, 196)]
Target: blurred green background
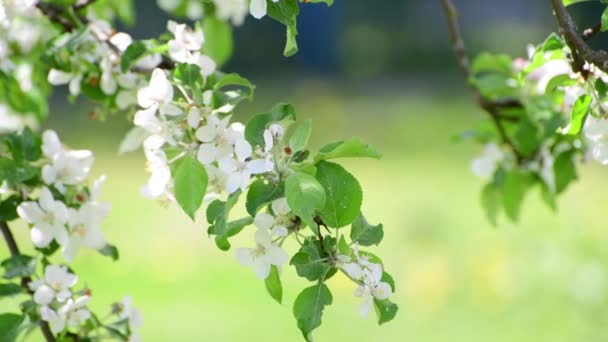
[(458, 278)]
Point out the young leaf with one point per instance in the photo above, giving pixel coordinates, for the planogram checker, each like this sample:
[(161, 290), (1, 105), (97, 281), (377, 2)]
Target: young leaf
[(25, 145), (491, 202), (10, 290), (352, 148), (286, 12), (273, 284), (514, 189), (262, 192), (344, 195), (190, 184), (299, 139), (9, 326), (218, 39), (254, 130), (565, 171), (308, 308), (305, 195), (579, 114), (366, 234), (19, 266), (385, 310), (308, 261)]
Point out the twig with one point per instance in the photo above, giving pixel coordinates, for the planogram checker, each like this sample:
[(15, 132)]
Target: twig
[(14, 250), (592, 31), (581, 51), (491, 107)]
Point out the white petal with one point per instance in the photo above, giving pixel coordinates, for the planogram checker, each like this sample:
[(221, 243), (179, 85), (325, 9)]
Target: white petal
[(233, 182), (206, 133), (44, 295), (58, 77), (243, 150), (366, 306), (47, 203), (258, 166), (257, 8), (244, 256), (264, 221), (277, 255), (30, 212), (41, 237), (170, 109), (262, 268), (280, 206), (194, 117), (382, 291), (206, 153)]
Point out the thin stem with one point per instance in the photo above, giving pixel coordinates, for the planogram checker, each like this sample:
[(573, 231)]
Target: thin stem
[(14, 250), (491, 107)]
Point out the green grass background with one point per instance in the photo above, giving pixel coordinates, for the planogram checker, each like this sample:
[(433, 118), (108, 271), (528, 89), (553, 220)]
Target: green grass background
[(458, 278)]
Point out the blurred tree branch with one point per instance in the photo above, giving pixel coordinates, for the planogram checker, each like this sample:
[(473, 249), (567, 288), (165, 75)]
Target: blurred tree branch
[(14, 251), (581, 51), (493, 108)]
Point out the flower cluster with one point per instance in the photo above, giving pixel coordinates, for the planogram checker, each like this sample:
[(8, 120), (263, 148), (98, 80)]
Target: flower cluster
[(233, 10), (71, 221), (65, 213), (369, 276)]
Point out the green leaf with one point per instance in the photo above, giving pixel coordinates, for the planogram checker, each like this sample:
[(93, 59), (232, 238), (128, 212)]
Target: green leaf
[(385, 310), (308, 308), (190, 184), (565, 171), (232, 228), (20, 101), (9, 326), (16, 172), (514, 189), (309, 263), (25, 145), (352, 148), (487, 62), (218, 40), (273, 284), (305, 195), (110, 251), (343, 193), (262, 192), (491, 202), (217, 216), (579, 114), (366, 234), (188, 75), (299, 139), (18, 266), (254, 130), (8, 208), (235, 80), (286, 12), (134, 52), (10, 290)]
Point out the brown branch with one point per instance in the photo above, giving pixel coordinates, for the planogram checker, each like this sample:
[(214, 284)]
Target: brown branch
[(491, 107), (14, 251), (581, 51)]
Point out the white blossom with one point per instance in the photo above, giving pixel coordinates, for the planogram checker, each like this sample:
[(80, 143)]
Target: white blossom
[(233, 10), (596, 131), (485, 165), (185, 43), (241, 168), (47, 217), (84, 223), (263, 256), (279, 223), (67, 167), (59, 77), (56, 285), (70, 315), (160, 177), (217, 139), (158, 95)]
